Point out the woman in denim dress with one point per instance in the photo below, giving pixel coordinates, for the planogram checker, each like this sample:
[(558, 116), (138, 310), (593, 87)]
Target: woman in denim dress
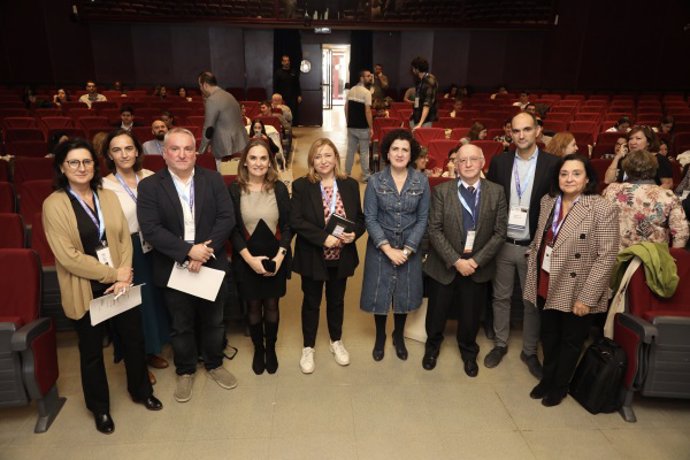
[(396, 208)]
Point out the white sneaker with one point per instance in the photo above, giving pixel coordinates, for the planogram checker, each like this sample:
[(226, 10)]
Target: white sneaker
[(341, 355), (306, 362)]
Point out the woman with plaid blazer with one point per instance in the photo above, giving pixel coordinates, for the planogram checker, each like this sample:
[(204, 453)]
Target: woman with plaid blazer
[(568, 270)]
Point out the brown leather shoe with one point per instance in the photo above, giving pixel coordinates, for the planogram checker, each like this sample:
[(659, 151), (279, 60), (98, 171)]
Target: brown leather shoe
[(157, 362), (152, 378)]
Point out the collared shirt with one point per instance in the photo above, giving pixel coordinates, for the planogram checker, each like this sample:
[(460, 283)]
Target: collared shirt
[(184, 192), (526, 170), (153, 147)]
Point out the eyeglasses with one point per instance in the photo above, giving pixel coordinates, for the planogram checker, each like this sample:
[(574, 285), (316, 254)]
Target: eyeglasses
[(462, 161), (74, 164)]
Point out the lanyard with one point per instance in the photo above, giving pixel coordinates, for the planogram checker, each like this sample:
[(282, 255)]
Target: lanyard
[(97, 218), (467, 207), (555, 224), (126, 187), (530, 175), (334, 198), (183, 195)]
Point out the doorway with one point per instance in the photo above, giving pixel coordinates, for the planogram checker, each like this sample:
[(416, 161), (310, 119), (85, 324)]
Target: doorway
[(335, 73)]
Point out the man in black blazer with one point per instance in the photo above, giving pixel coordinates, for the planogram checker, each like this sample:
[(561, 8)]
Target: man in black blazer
[(467, 227), (186, 214), (525, 175)]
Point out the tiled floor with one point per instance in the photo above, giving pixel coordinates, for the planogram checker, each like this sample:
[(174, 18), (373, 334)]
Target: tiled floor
[(368, 410)]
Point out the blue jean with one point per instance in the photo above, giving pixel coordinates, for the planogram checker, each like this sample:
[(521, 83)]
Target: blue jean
[(357, 138), (183, 310)]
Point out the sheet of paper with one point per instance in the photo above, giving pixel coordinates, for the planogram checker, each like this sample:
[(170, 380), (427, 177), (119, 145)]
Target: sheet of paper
[(105, 307), (204, 284)]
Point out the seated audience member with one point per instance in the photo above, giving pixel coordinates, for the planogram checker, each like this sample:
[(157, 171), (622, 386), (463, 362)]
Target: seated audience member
[(464, 241), (562, 144), (663, 148), (285, 116), (168, 118), (449, 170), (569, 291), (380, 110), (155, 146), (409, 95), (642, 138), (421, 163), (98, 140), (265, 109), (522, 101), (457, 107), (57, 138), (622, 125), (647, 211), (477, 132), (92, 95), (266, 133), (507, 137), (665, 128), (127, 118), (452, 92), (620, 147), (502, 92), (59, 97), (532, 108), (247, 121), (117, 86), (182, 92), (162, 92)]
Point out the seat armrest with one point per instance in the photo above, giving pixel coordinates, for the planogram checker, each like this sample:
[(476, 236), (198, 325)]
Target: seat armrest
[(21, 340), (643, 328)]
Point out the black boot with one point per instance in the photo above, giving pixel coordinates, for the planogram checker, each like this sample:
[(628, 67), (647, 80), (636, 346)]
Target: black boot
[(271, 337), (256, 331)]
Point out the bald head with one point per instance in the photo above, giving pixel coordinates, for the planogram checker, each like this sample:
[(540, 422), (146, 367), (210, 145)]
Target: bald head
[(469, 163)]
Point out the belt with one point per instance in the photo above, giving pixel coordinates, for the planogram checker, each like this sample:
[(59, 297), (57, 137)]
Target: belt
[(518, 242)]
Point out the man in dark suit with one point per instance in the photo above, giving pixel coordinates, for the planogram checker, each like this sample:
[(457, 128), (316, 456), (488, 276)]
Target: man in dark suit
[(223, 123), (467, 227), (186, 214), (525, 175)]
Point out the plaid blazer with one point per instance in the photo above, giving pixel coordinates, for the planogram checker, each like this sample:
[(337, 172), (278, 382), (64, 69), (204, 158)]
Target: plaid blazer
[(583, 255)]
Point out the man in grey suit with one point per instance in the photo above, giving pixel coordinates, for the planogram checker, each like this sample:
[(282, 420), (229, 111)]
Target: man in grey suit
[(467, 227), (223, 123)]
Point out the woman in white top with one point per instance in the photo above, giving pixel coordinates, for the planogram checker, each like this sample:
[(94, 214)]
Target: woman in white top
[(123, 157)]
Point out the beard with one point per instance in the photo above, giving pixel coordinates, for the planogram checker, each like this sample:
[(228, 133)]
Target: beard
[(160, 136)]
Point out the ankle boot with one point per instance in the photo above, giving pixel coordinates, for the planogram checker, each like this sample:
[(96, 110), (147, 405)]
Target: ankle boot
[(271, 357), (256, 331)]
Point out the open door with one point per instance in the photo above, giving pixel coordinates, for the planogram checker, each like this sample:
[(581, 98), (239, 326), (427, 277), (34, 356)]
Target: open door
[(310, 111)]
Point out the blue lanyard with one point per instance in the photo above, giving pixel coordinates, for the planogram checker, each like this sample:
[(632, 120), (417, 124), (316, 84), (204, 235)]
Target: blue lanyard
[(556, 225), (334, 197), (126, 187), (530, 175), (183, 195), (467, 207), (96, 219)]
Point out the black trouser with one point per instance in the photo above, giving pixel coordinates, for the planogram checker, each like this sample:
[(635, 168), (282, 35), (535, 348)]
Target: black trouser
[(93, 378), (562, 337), (470, 298), (335, 304), (183, 310)]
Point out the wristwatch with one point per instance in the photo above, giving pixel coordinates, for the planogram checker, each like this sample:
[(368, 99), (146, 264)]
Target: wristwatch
[(407, 252)]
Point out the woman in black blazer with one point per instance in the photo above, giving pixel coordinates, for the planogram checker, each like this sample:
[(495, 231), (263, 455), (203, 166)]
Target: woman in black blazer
[(261, 247), (322, 257)]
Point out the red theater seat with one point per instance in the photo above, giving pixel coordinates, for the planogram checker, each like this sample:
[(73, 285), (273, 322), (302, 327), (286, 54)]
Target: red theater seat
[(426, 135), (32, 193), (31, 169), (438, 152), (11, 231)]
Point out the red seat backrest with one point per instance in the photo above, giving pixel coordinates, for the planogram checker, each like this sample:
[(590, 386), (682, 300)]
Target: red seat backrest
[(449, 123), (7, 203), (153, 162), (20, 284), (32, 194), (142, 133), (39, 243), (425, 135), (31, 169), (434, 181), (19, 122), (27, 148), (57, 122), (490, 148), (438, 152), (11, 231), (23, 134)]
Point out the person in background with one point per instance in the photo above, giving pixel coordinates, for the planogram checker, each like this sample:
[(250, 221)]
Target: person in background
[(478, 132), (425, 104), (59, 97), (622, 125), (562, 144), (568, 270), (323, 258), (396, 209), (156, 145), (506, 138), (88, 234)]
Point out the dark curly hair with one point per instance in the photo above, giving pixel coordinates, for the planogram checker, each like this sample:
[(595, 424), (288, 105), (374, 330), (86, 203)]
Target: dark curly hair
[(61, 152), (403, 135), (590, 188), (106, 148)]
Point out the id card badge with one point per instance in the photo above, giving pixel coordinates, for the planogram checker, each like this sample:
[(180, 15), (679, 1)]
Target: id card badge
[(416, 102), (546, 263), (103, 254), (145, 247), (189, 229), (469, 242), (517, 217)]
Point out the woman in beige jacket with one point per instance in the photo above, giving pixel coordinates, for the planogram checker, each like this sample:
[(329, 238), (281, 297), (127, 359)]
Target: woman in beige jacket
[(88, 233)]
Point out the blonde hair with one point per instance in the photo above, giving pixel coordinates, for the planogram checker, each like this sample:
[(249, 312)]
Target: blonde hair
[(559, 142), (243, 172), (312, 175)]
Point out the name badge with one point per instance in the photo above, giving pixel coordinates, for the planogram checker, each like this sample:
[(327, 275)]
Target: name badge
[(416, 102), (517, 217), (189, 229), (145, 247), (103, 254), (469, 243), (546, 263)]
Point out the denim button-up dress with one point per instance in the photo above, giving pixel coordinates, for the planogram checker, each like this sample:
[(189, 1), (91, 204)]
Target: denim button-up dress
[(398, 219)]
